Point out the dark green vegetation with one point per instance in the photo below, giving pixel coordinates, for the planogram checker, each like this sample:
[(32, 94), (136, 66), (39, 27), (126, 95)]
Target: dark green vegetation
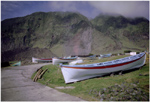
[(130, 86), (65, 33), (8, 64)]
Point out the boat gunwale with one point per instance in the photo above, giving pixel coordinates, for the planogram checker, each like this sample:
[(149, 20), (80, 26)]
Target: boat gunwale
[(103, 66), (45, 59), (37, 59), (66, 58)]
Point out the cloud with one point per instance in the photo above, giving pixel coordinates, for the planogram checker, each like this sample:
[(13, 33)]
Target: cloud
[(9, 6), (94, 8), (125, 8), (82, 7), (63, 6), (90, 9)]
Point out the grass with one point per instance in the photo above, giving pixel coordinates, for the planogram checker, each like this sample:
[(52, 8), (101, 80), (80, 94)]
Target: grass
[(58, 49), (54, 78)]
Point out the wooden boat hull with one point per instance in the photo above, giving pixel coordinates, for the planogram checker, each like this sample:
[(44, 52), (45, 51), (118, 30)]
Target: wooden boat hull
[(77, 72), (61, 60), (17, 64), (76, 61), (37, 60), (104, 56)]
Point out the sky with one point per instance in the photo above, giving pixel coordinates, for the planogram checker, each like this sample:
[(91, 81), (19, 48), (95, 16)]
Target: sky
[(90, 9)]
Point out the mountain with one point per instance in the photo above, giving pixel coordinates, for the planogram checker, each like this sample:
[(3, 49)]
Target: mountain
[(126, 33), (68, 33)]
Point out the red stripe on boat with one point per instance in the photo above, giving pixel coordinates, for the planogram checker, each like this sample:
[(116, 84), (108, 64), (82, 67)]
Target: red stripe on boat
[(45, 59), (103, 67), (66, 59)]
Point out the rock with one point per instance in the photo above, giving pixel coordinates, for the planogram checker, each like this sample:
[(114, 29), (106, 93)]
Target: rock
[(121, 93), (134, 85), (146, 97), (62, 87), (120, 73), (90, 91), (104, 89), (117, 90), (112, 74), (70, 87), (139, 90), (135, 88), (111, 98), (136, 82), (99, 93), (146, 75), (113, 90), (133, 94), (119, 86), (116, 93), (128, 97), (102, 95), (131, 90), (101, 99), (138, 98)]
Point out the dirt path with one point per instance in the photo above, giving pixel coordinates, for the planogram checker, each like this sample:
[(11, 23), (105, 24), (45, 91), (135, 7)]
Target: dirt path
[(16, 85)]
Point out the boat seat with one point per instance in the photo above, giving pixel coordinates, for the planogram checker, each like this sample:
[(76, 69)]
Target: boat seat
[(117, 61), (133, 57), (125, 59), (108, 63), (100, 64)]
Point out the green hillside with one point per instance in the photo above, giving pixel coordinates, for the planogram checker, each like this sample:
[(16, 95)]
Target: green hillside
[(126, 33), (69, 33), (48, 28)]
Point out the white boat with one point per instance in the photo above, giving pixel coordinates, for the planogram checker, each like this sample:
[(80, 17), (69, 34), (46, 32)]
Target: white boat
[(76, 61), (91, 57), (63, 60), (16, 64), (104, 56), (73, 73), (37, 60)]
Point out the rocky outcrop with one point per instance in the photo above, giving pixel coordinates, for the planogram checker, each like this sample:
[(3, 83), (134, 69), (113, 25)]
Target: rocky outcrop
[(123, 92), (80, 44)]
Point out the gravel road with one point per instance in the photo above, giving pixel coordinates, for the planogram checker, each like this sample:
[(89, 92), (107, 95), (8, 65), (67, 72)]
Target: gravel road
[(16, 85)]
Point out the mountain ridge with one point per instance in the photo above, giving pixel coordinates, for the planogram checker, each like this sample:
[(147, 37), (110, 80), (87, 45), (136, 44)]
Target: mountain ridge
[(69, 33)]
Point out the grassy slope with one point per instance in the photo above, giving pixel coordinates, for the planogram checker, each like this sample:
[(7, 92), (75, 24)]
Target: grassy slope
[(54, 78), (58, 49), (124, 34), (101, 43)]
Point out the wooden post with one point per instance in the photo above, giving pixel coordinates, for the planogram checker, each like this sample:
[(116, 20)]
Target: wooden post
[(42, 73), (120, 73), (37, 74)]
